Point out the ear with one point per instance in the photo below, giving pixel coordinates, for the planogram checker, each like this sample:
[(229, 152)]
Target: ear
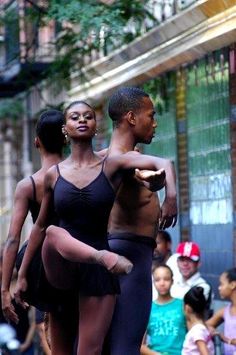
[(187, 309), (64, 130), (36, 142), (233, 285), (130, 116)]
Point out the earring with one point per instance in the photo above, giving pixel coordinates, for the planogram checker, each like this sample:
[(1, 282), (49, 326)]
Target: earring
[(67, 140), (96, 132)]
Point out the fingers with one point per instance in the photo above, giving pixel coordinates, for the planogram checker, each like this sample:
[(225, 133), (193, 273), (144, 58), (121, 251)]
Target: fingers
[(166, 222), (10, 315), (149, 174), (13, 317), (19, 300)]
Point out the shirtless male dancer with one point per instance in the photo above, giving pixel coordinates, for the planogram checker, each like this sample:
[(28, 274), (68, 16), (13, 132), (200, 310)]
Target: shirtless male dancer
[(134, 220)]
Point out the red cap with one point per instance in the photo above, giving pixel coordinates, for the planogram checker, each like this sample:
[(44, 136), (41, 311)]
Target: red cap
[(189, 249)]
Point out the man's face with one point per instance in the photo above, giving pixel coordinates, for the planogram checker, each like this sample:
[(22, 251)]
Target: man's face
[(145, 122), (187, 266)]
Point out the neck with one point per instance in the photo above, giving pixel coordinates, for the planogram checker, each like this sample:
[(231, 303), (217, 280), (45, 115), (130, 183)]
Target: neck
[(122, 141), (186, 279), (49, 159), (82, 153), (193, 320), (233, 299), (164, 298)]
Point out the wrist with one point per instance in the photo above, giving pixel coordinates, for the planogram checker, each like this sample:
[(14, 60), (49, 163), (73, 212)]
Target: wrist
[(5, 290), (171, 195), (21, 274)]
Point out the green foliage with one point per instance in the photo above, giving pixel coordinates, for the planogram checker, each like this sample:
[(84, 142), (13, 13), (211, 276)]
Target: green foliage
[(93, 27), (153, 88), (11, 108)]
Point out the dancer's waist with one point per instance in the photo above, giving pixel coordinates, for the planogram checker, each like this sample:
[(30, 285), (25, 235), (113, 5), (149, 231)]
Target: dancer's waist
[(136, 238)]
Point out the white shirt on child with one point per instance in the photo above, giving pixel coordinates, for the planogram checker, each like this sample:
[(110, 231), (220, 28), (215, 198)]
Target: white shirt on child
[(197, 332)]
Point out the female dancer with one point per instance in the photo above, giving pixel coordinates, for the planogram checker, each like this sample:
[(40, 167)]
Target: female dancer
[(28, 197), (82, 191)]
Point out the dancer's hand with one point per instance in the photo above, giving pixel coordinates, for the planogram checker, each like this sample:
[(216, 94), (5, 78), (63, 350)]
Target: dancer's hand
[(20, 289), (169, 211), (8, 308), (153, 180)]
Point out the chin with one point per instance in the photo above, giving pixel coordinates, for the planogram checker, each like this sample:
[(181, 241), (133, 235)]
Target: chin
[(147, 141)]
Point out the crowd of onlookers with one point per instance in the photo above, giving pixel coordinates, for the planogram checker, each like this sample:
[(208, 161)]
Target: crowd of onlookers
[(182, 319)]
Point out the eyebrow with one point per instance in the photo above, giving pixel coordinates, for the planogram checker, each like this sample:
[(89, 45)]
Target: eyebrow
[(83, 113)]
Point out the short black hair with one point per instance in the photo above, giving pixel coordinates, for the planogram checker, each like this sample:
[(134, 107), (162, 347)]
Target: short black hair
[(165, 266), (196, 300), (165, 236), (231, 274), (124, 100), (49, 131)]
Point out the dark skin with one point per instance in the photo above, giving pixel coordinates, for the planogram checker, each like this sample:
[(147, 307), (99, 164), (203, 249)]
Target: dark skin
[(23, 194), (22, 197), (136, 209), (80, 168)]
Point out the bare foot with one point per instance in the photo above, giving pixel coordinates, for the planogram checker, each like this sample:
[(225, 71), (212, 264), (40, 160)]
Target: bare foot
[(113, 262)]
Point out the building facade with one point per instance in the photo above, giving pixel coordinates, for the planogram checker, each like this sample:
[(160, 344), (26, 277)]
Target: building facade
[(188, 65)]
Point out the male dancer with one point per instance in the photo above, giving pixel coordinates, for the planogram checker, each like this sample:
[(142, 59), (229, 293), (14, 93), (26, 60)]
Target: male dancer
[(134, 220)]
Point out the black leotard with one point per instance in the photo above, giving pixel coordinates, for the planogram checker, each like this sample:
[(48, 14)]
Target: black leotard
[(84, 213), (34, 206)]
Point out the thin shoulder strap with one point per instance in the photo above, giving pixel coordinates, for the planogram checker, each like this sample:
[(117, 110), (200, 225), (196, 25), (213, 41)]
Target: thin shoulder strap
[(58, 170), (34, 188), (103, 162)]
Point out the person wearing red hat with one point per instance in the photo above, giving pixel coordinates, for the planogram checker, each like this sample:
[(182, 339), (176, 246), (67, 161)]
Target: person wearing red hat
[(188, 261)]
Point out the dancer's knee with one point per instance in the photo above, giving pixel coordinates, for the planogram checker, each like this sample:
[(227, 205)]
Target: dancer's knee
[(51, 232)]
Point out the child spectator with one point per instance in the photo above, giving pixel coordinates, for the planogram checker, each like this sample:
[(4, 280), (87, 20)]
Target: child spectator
[(166, 327), (227, 290), (162, 252), (198, 340)]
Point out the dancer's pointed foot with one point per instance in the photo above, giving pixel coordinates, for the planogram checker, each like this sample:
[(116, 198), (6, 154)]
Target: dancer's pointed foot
[(114, 263)]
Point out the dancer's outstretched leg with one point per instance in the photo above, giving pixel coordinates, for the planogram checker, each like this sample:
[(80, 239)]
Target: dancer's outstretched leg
[(74, 250)]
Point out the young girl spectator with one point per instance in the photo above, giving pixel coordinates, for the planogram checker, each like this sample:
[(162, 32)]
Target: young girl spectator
[(227, 290), (166, 327), (198, 339)]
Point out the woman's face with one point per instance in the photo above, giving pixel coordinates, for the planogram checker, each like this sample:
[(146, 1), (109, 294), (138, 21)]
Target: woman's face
[(80, 122)]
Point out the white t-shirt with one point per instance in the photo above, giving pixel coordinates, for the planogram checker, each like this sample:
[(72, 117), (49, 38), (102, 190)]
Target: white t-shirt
[(182, 286), (197, 332)]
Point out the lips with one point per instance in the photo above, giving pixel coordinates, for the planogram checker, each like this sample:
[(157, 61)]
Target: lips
[(82, 128)]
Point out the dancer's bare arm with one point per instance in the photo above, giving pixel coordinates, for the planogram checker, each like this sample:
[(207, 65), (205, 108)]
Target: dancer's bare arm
[(132, 160), (23, 193), (37, 235)]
